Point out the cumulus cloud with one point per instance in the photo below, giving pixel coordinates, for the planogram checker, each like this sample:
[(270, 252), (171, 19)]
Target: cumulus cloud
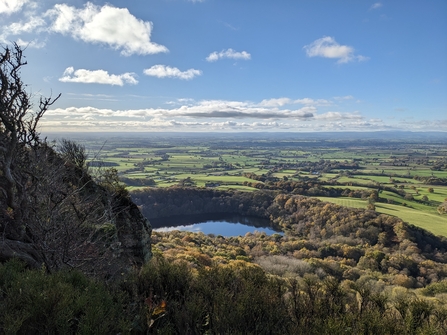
[(163, 71), (97, 77), (327, 47), (11, 6), (229, 53), (95, 24), (376, 5)]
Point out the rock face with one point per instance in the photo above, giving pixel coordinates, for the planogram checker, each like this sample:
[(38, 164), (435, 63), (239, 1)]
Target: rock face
[(72, 221), (122, 237), (123, 245), (133, 232)]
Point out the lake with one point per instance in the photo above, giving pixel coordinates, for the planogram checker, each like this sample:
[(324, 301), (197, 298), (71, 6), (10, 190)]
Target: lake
[(225, 225)]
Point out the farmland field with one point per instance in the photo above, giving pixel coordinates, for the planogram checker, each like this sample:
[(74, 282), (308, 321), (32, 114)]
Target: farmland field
[(431, 221), (410, 179)]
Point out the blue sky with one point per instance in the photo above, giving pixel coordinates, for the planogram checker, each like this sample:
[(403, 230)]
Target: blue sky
[(234, 65)]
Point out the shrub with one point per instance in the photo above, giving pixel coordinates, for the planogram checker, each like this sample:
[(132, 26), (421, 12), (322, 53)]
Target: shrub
[(34, 302), (435, 288)]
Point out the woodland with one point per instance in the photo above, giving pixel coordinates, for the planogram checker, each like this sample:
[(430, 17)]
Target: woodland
[(78, 255)]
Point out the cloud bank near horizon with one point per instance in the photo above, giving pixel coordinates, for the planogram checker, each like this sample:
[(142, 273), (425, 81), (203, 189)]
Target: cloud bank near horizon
[(280, 114)]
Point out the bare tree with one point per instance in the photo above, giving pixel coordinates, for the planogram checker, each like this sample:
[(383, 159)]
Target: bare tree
[(37, 209), (18, 131), (52, 212)]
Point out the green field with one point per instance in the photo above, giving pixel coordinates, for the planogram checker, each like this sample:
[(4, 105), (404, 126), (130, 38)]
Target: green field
[(227, 164), (347, 202), (435, 223)]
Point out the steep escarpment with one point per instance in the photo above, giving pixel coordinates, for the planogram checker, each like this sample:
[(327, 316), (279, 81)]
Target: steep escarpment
[(52, 212), (67, 219), (163, 202)]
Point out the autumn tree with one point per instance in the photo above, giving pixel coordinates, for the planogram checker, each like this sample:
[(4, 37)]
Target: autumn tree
[(442, 208)]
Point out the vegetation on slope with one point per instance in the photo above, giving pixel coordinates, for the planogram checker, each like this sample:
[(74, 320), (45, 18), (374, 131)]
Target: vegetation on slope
[(52, 212), (344, 242), (167, 297)]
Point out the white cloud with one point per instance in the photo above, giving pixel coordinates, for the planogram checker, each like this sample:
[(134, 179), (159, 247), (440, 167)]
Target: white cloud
[(279, 102), (224, 115), (207, 109), (214, 115), (30, 44), (97, 77), (327, 47), (33, 24), (275, 102), (11, 6), (229, 53), (221, 115), (116, 27), (308, 101), (339, 116), (163, 71), (376, 5)]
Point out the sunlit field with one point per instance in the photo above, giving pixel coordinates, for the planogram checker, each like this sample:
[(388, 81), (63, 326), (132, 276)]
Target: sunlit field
[(250, 166)]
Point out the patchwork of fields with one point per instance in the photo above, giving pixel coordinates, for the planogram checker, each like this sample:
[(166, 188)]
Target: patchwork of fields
[(416, 170)]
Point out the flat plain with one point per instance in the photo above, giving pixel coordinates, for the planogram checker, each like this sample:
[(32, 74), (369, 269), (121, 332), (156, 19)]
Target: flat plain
[(409, 175)]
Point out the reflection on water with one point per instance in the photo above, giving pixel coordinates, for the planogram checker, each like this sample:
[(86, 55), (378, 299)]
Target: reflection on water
[(225, 225)]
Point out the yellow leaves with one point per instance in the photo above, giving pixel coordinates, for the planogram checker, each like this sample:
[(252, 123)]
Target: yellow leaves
[(154, 310), (160, 309), (240, 265)]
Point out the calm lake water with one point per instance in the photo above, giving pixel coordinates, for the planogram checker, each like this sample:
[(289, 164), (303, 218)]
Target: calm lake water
[(225, 225)]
